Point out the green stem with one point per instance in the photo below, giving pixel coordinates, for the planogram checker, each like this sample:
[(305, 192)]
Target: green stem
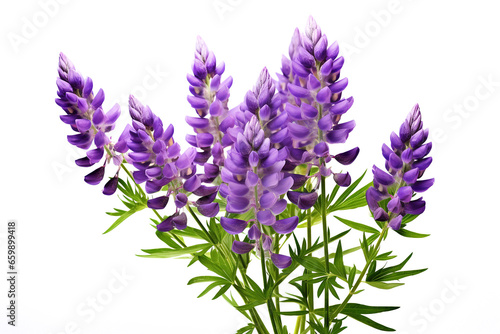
[(363, 272), (325, 246), (310, 287)]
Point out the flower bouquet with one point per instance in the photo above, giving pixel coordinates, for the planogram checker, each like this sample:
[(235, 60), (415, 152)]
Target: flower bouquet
[(254, 175)]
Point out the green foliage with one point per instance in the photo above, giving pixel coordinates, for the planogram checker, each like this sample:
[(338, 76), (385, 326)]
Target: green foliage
[(133, 198)]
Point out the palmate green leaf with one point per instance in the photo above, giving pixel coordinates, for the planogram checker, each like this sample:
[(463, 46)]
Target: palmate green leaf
[(170, 253), (358, 226), (384, 285)]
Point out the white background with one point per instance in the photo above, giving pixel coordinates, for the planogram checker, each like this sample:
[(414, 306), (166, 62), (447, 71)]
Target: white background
[(441, 54)]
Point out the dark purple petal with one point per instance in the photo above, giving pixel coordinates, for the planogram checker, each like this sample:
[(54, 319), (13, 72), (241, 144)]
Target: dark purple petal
[(254, 232), (405, 132), (415, 207), (281, 261), (180, 221), (380, 215), (423, 164), (407, 155), (209, 210), (405, 194), (110, 186), (279, 206), (95, 177), (304, 200), (395, 223), (240, 247), (233, 226), (180, 200), (411, 176), (158, 203), (382, 177), (337, 136), (396, 143), (298, 91), (192, 183), (342, 179), (347, 157), (395, 162), (394, 205), (267, 200), (236, 204), (421, 186), (422, 151), (84, 162), (166, 225), (287, 225), (266, 217), (386, 151)]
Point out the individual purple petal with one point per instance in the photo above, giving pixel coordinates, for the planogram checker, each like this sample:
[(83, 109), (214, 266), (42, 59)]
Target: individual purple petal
[(324, 95), (110, 186), (281, 261), (166, 225), (337, 136), (395, 162), (422, 151), (386, 151), (180, 221), (421, 186), (240, 247), (304, 200), (394, 205), (423, 164), (267, 200), (407, 155), (405, 194), (279, 206), (417, 139), (405, 132), (233, 226), (321, 149), (95, 155), (95, 177), (180, 200), (382, 177), (396, 143), (380, 215), (411, 176), (84, 162), (158, 203), (237, 204), (395, 223), (347, 157), (209, 210), (298, 91), (266, 217), (192, 183), (342, 179), (287, 225), (415, 207), (342, 106), (254, 232)]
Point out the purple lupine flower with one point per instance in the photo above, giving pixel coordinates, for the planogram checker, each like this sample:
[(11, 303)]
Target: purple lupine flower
[(312, 96), (406, 162), (158, 158), (253, 179), (85, 115), (264, 103), (209, 98)]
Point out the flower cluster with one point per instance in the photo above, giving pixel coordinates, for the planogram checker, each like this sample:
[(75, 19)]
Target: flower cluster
[(406, 162), (312, 95), (253, 179), (209, 99), (85, 115)]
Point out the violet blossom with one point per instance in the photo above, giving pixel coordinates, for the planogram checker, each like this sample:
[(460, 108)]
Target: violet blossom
[(406, 162), (253, 180)]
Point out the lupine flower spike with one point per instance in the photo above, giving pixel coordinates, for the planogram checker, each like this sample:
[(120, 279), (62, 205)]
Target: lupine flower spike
[(406, 162)]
